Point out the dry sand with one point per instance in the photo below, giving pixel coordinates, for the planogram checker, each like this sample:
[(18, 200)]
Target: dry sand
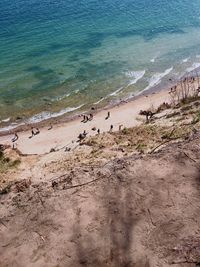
[(138, 212), (65, 133)]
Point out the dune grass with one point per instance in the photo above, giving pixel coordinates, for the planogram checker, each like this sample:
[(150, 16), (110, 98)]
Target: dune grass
[(6, 163)]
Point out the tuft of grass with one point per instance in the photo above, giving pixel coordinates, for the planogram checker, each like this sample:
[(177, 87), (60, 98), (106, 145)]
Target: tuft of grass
[(5, 190), (141, 147), (196, 117), (174, 114), (125, 131), (163, 106), (189, 99), (6, 163)]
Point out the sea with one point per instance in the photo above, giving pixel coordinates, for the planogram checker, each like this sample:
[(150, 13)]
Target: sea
[(63, 57)]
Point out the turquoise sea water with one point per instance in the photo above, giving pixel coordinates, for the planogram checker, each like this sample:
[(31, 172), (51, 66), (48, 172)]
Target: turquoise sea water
[(58, 56)]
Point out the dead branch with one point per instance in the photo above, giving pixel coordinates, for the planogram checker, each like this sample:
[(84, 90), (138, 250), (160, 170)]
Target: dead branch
[(59, 177), (84, 165), (185, 261), (42, 202), (169, 196), (163, 143), (79, 185), (1, 221), (172, 132), (151, 217), (189, 157), (41, 236)]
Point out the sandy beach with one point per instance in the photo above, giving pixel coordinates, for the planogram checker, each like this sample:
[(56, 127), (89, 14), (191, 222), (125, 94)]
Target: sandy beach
[(65, 134), (100, 133)]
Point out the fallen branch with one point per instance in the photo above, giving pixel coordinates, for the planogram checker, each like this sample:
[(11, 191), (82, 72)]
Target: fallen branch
[(59, 177), (42, 202), (189, 157), (151, 217), (172, 132), (79, 185), (41, 236), (163, 143), (84, 165), (185, 261), (3, 223)]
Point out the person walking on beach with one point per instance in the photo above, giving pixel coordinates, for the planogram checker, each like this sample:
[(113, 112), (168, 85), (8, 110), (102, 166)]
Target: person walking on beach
[(120, 127), (91, 117), (111, 128), (84, 133), (98, 131), (37, 131), (108, 115), (82, 136), (51, 127), (84, 118), (14, 139), (32, 132)]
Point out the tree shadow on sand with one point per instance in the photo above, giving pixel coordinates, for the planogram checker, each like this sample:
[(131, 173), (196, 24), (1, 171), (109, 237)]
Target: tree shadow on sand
[(109, 241)]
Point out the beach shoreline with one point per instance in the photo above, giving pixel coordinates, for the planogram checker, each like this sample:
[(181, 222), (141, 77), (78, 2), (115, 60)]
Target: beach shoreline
[(59, 132), (25, 125), (66, 130), (66, 118)]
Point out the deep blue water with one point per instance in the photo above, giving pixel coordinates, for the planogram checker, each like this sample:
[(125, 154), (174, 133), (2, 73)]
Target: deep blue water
[(57, 55)]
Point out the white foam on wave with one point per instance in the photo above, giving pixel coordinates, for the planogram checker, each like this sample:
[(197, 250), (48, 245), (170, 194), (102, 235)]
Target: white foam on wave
[(59, 98), (48, 115), (185, 60), (155, 57), (99, 101), (5, 120), (40, 117), (135, 76), (156, 78), (11, 127), (116, 92), (193, 67)]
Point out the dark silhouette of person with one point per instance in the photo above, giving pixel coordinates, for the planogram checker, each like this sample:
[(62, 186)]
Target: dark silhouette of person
[(108, 115)]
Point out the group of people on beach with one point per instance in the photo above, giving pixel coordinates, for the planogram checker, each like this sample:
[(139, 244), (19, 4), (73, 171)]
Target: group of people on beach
[(90, 117), (86, 118), (34, 132)]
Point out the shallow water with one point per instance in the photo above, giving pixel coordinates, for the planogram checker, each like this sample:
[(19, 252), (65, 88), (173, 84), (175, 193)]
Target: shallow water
[(60, 55)]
